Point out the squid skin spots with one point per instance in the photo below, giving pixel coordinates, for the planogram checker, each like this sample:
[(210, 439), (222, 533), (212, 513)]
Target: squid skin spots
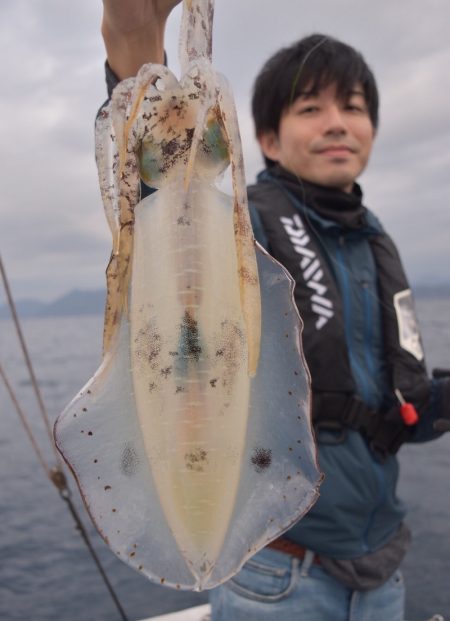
[(190, 345), (196, 460), (261, 459), (148, 345), (166, 371), (130, 461)]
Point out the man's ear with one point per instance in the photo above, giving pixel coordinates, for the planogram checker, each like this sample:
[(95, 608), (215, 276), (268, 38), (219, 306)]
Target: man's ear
[(270, 145)]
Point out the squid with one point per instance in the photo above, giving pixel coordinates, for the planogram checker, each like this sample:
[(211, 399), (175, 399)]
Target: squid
[(192, 444)]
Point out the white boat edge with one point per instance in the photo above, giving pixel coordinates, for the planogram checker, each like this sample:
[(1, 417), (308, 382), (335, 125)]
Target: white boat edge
[(203, 613), (199, 613)]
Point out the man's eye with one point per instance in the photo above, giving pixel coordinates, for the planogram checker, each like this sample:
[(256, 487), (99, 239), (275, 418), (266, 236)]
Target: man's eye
[(308, 109), (356, 107)]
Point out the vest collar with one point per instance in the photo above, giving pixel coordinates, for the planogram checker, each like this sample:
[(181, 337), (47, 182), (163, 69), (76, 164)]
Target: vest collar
[(331, 208)]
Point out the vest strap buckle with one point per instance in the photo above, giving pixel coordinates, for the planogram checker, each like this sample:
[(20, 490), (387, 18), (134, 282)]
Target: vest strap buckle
[(384, 431)]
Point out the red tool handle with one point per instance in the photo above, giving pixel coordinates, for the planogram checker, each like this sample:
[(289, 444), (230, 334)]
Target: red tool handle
[(409, 414)]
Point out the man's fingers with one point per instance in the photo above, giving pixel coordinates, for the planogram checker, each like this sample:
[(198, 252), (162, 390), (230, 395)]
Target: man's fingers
[(442, 424)]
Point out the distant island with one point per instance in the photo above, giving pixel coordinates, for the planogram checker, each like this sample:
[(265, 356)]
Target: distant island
[(92, 302), (76, 302)]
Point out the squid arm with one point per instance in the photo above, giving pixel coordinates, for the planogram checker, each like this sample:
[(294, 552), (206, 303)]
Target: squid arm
[(245, 241)]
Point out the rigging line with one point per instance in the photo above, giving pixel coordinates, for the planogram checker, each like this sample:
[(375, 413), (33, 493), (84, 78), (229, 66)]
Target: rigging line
[(58, 478), (350, 274), (296, 80), (26, 355), (25, 423), (332, 260), (66, 496), (56, 474)]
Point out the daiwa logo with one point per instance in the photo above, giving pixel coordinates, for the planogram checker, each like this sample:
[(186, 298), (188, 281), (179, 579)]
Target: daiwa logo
[(310, 266)]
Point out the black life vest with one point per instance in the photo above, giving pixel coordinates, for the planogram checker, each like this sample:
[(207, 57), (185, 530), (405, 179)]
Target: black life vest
[(335, 403)]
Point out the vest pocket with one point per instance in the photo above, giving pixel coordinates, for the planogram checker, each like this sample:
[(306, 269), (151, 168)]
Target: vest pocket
[(264, 583)]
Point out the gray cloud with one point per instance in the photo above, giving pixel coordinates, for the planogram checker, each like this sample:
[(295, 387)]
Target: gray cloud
[(53, 235)]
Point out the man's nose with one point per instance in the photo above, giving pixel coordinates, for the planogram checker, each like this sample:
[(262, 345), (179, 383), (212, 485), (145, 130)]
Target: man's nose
[(334, 121)]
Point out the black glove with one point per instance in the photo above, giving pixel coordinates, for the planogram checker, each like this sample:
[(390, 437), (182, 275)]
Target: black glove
[(443, 424)]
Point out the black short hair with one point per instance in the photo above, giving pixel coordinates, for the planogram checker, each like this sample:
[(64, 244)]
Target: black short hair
[(313, 63)]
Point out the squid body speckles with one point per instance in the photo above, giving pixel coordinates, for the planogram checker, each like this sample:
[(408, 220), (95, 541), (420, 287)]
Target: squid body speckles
[(191, 444)]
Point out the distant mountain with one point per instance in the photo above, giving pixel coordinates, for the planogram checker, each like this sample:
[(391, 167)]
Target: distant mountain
[(76, 302), (92, 302), (25, 308), (432, 291)]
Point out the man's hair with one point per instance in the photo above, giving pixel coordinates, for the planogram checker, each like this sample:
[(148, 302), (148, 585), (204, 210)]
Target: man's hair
[(312, 64)]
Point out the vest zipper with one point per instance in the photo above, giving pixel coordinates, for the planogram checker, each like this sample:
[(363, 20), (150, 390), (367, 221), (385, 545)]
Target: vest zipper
[(360, 372), (344, 279), (368, 329)]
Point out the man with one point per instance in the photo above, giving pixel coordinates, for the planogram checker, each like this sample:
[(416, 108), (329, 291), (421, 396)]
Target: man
[(315, 107)]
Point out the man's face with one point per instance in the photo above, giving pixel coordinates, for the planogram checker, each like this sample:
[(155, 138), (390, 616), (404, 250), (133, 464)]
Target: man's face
[(323, 139)]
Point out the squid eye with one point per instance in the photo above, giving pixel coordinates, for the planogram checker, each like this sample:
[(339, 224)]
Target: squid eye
[(215, 144), (149, 158)]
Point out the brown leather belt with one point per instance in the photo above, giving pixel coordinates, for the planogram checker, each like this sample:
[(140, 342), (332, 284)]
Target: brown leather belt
[(290, 547)]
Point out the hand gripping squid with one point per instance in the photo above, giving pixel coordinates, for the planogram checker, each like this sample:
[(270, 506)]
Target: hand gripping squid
[(192, 443)]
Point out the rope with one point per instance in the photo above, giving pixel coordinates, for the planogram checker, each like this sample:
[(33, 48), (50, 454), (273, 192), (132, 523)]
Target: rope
[(56, 474), (24, 422), (58, 478), (24, 348), (66, 496)]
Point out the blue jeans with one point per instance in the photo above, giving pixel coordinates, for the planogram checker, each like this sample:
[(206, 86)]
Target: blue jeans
[(277, 587)]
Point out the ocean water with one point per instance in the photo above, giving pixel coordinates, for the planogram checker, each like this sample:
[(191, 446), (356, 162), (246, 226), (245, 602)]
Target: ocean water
[(45, 571)]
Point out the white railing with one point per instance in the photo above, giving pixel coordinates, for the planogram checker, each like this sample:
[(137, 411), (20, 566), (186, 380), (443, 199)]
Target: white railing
[(199, 613)]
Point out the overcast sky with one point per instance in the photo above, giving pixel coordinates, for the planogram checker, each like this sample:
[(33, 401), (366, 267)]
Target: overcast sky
[(53, 234)]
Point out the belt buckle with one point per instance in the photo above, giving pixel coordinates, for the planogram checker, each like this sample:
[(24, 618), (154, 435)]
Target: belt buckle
[(333, 426)]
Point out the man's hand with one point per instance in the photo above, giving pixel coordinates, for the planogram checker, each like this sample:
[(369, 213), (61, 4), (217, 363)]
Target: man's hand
[(133, 32), (443, 424)]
